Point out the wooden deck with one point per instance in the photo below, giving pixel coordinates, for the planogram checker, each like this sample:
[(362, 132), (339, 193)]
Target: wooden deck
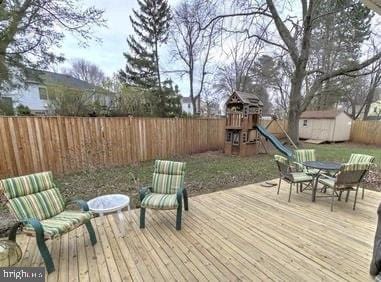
[(245, 233)]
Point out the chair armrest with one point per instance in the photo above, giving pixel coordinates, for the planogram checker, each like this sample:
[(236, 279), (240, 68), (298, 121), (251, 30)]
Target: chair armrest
[(143, 191), (37, 226), (81, 203), (179, 194), (298, 166), (325, 176)]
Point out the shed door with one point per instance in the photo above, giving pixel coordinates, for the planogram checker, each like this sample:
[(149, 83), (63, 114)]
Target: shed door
[(320, 129)]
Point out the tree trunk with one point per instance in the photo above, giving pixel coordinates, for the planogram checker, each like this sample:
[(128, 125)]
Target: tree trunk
[(191, 94), (368, 101), (294, 111), (157, 65)]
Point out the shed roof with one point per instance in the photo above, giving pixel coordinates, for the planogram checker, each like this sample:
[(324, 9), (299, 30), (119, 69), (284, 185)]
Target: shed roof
[(332, 114)]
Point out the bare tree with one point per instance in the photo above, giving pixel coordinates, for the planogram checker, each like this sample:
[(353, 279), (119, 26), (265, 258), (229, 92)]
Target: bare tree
[(295, 39), (29, 28), (375, 82), (241, 56), (86, 71), (192, 45)]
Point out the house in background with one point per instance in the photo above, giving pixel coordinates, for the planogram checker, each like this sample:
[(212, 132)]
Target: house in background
[(331, 126), (35, 93), (187, 107)]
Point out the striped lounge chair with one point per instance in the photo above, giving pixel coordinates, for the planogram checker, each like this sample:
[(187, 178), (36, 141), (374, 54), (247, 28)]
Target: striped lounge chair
[(38, 204), (347, 179), (167, 191), (361, 158)]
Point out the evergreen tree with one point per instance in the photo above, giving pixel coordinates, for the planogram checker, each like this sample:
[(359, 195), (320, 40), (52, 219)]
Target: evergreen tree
[(151, 25), (337, 40), (172, 99)]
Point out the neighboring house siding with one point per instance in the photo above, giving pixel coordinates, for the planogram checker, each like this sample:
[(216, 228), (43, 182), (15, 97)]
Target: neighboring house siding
[(30, 97), (187, 107)]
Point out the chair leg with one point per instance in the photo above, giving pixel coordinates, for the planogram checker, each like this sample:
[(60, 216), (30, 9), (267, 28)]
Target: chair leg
[(347, 197), (280, 180), (297, 188), (142, 217), (355, 201), (44, 251), (339, 198), (289, 194), (363, 193), (333, 198), (178, 217), (185, 195), (91, 231)]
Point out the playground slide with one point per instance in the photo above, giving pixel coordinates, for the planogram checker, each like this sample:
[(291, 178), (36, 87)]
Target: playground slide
[(275, 141)]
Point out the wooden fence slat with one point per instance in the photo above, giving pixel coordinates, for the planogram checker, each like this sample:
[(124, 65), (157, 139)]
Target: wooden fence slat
[(367, 132), (71, 144)]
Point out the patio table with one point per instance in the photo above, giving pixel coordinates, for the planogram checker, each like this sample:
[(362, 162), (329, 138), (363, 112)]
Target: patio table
[(110, 203), (320, 166)]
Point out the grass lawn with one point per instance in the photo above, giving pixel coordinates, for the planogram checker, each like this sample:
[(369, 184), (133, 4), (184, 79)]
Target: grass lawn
[(206, 172)]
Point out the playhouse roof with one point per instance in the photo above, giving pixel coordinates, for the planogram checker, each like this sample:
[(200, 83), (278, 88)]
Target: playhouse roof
[(248, 98)]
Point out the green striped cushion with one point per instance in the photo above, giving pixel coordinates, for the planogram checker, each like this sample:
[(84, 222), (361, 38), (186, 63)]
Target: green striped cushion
[(61, 223), (355, 166), (360, 158), (160, 201), (328, 181), (300, 177), (304, 155), (33, 196), (301, 156), (168, 176), (28, 184)]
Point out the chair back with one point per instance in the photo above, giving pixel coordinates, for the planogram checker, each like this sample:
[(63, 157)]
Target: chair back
[(32, 196), (351, 174), (360, 158), (283, 165), (168, 176), (304, 155)]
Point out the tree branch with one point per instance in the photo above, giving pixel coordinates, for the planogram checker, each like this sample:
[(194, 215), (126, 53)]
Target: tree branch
[(284, 32)]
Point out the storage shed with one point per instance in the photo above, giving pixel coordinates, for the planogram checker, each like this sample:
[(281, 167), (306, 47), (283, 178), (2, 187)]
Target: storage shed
[(332, 126)]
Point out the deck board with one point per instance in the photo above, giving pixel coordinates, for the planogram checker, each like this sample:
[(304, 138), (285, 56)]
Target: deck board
[(244, 233)]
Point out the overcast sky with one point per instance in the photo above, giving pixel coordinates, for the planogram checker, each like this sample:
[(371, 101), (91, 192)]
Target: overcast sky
[(108, 54)]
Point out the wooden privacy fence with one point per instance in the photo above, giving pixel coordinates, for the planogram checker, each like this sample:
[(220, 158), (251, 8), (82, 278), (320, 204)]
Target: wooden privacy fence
[(71, 144), (274, 128), (367, 132)]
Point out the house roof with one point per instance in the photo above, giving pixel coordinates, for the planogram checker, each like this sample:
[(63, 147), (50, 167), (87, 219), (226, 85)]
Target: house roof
[(249, 98), (52, 78), (332, 114)]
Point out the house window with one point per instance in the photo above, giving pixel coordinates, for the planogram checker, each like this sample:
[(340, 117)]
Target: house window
[(43, 93), (305, 122)]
